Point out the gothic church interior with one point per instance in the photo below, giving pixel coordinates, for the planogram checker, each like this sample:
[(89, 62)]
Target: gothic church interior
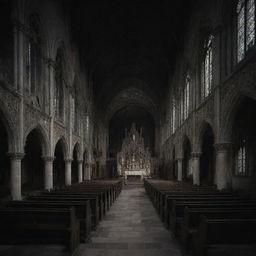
[(121, 95)]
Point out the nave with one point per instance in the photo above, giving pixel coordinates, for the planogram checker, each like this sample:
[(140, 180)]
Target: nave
[(131, 227)]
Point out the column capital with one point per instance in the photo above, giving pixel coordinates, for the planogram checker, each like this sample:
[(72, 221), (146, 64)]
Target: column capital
[(223, 146), (16, 155), (50, 62), (21, 27), (179, 158), (196, 154), (48, 158), (80, 161), (68, 160)]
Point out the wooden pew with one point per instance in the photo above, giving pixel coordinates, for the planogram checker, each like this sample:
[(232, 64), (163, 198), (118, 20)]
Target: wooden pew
[(191, 220), (218, 232), (93, 203), (100, 196), (178, 207), (166, 207), (39, 226), (82, 211)]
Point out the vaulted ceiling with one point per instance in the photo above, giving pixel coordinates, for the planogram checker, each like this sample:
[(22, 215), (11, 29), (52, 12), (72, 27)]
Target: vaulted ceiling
[(129, 44)]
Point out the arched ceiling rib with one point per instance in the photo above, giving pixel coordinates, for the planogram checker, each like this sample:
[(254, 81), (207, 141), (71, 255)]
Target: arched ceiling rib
[(131, 97), (136, 39)]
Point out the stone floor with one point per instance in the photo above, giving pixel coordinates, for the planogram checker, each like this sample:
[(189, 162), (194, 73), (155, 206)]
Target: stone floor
[(131, 227)]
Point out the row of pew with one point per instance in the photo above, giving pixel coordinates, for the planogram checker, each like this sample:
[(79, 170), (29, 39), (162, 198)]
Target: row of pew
[(202, 218), (66, 215)]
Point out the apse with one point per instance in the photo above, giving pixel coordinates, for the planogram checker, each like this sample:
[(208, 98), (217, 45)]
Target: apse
[(123, 119)]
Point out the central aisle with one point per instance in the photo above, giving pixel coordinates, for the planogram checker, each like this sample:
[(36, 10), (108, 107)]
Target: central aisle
[(131, 227)]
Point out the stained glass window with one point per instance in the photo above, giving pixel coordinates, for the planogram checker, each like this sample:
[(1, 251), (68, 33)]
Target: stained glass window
[(245, 27), (58, 89), (173, 115), (181, 107), (73, 113), (241, 158), (33, 58), (206, 68), (186, 94)]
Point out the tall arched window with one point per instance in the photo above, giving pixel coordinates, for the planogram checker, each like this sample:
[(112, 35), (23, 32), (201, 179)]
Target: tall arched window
[(173, 119), (187, 95), (245, 27), (185, 98), (74, 113), (87, 126), (241, 157), (59, 87), (206, 68), (34, 58)]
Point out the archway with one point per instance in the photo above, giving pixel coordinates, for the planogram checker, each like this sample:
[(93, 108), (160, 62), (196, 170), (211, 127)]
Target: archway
[(174, 165), (4, 162), (74, 166), (59, 164), (207, 159), (32, 163), (244, 146), (187, 175), (85, 166)]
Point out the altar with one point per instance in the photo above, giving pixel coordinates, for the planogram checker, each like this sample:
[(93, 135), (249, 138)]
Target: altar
[(134, 160)]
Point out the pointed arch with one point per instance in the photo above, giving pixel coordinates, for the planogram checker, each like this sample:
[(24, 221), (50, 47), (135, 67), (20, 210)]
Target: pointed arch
[(64, 145), (60, 154), (184, 139), (207, 158), (42, 135), (78, 148), (9, 127), (203, 127), (186, 157), (229, 117), (32, 163)]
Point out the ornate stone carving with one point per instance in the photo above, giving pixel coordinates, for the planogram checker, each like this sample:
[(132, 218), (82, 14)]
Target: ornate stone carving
[(134, 158), (48, 158), (68, 160), (225, 146), (16, 155), (196, 154)]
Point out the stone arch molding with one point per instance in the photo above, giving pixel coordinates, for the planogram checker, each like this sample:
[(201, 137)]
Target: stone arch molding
[(64, 145), (180, 146), (13, 138), (78, 147), (204, 125), (43, 139), (229, 115), (131, 96)]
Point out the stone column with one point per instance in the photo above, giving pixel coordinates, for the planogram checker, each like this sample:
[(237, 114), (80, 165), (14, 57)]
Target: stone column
[(68, 171), (179, 162), (195, 161), (48, 172), (80, 170), (222, 165), (16, 175)]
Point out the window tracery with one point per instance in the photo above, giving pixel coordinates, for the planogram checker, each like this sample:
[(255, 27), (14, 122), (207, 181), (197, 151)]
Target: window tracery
[(33, 57), (59, 87), (206, 68), (245, 27)]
